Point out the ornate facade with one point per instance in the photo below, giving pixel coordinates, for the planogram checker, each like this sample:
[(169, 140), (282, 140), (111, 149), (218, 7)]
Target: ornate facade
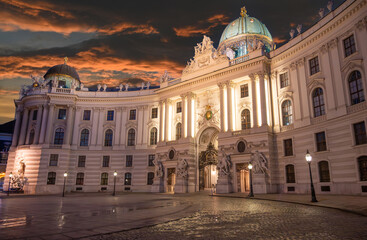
[(245, 102)]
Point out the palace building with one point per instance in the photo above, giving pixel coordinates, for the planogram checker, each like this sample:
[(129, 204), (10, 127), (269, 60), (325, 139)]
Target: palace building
[(245, 101)]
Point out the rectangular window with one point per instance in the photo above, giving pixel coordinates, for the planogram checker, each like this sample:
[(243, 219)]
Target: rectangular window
[(62, 114), (151, 158), (320, 141), (244, 90), (51, 178), (129, 160), (349, 46), (150, 178), (54, 158), (81, 161), (154, 112), (284, 81), (79, 179), (360, 133), (86, 115), (34, 117), (106, 161), (132, 114), (110, 115), (178, 107), (288, 147), (314, 65)]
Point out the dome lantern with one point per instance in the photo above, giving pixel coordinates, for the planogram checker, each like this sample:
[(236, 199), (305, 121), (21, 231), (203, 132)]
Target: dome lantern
[(63, 75)]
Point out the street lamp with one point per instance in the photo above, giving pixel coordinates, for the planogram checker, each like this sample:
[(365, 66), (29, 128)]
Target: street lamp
[(251, 194), (63, 190), (114, 183), (10, 177), (309, 159)]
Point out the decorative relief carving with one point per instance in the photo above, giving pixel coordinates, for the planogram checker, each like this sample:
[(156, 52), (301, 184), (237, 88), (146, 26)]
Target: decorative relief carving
[(259, 163), (333, 43), (316, 82), (293, 66), (182, 168), (323, 49)]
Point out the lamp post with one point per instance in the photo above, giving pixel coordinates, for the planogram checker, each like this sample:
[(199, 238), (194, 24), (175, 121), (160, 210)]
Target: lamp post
[(114, 183), (251, 194), (309, 159), (10, 177), (63, 190)]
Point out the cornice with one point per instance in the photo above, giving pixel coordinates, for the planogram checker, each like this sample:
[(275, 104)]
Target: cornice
[(322, 31)]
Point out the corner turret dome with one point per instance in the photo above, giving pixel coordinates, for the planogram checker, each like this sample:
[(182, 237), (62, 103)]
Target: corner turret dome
[(64, 75)]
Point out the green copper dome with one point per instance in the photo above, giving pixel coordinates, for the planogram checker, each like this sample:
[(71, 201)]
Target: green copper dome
[(245, 26)]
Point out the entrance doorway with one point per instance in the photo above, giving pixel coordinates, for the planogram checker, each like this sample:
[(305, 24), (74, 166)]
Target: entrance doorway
[(171, 179), (208, 159), (243, 178)]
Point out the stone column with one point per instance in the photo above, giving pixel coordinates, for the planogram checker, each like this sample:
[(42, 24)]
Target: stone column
[(123, 126), (230, 106), (44, 124), (50, 124), (145, 126), (140, 125), (23, 130), (94, 126), (191, 114), (69, 124), (100, 133), (222, 107), (184, 116), (254, 100), (76, 130), (17, 127), (118, 126), (161, 122), (167, 104), (264, 113), (38, 125)]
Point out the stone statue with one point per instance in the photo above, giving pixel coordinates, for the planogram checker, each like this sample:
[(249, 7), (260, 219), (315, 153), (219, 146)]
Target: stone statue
[(142, 86), (148, 85), (299, 29), (104, 87), (321, 12), (330, 5), (230, 53), (182, 168), (165, 77), (126, 87), (99, 87), (158, 168), (224, 165), (121, 87), (291, 33), (259, 162)]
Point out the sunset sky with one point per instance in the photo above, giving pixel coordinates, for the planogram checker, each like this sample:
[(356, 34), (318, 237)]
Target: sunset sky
[(123, 41)]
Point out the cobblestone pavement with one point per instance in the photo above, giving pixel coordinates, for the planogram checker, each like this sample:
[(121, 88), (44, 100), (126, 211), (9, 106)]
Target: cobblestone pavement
[(235, 218), (164, 216)]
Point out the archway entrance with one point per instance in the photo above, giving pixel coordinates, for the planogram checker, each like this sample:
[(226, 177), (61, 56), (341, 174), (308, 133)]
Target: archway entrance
[(208, 159), (243, 177)]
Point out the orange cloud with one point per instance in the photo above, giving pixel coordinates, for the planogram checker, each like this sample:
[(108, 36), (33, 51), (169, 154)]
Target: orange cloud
[(278, 40), (26, 16), (201, 27)]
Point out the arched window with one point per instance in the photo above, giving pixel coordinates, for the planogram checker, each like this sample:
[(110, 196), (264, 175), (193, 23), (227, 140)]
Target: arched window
[(31, 137), (80, 178), (150, 178), (84, 137), (318, 102), (127, 178), (51, 178), (131, 137), (153, 136), (59, 136), (362, 164), (356, 87), (287, 113), (104, 178), (245, 119), (178, 131), (108, 138), (290, 174), (324, 171)]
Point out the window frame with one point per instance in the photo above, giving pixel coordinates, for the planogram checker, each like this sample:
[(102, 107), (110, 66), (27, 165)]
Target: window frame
[(132, 114), (84, 138), (153, 136), (131, 140), (314, 65), (79, 179), (53, 178), (87, 115), (290, 176), (360, 139), (322, 172), (320, 144), (106, 161), (178, 131), (110, 115), (129, 160), (359, 91), (244, 90), (61, 115), (286, 153), (108, 138), (284, 82), (362, 175), (34, 115), (54, 159), (288, 118), (81, 161), (150, 178), (128, 179), (353, 46), (179, 107), (245, 119), (151, 158), (318, 102), (154, 113), (104, 179), (59, 136)]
